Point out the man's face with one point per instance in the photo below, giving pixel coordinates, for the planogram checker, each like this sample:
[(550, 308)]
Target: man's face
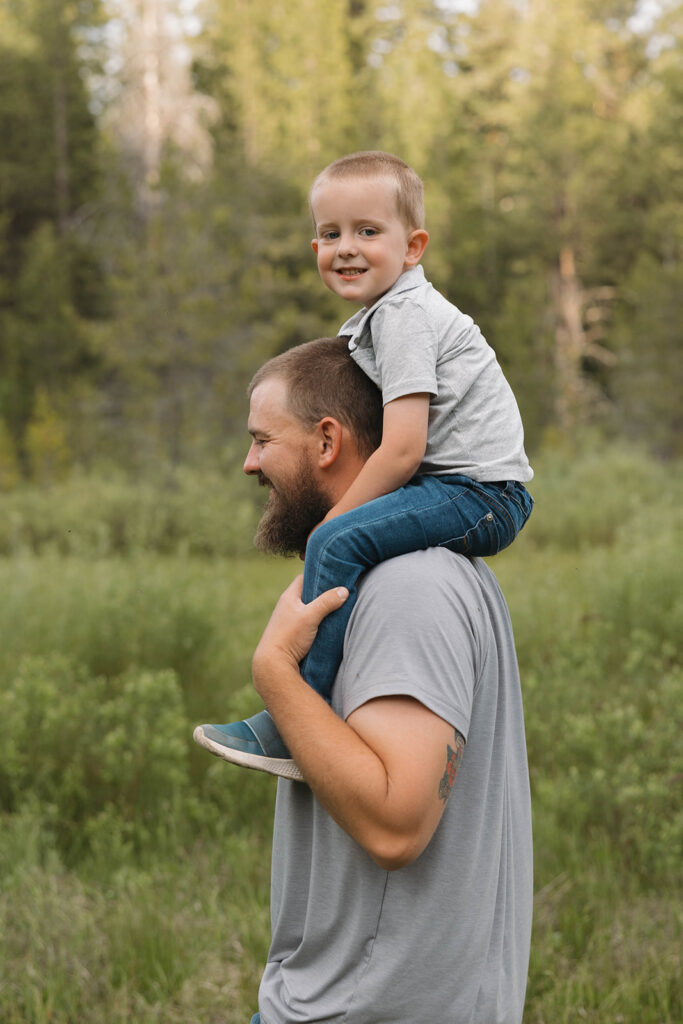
[(361, 243), (282, 456)]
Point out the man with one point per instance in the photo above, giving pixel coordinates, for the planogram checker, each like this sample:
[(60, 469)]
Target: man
[(402, 867)]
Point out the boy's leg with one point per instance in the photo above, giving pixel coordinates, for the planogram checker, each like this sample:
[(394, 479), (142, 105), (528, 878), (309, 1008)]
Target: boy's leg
[(453, 512), (429, 511), (336, 555), (510, 506)]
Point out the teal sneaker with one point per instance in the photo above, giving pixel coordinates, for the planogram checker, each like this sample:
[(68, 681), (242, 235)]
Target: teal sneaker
[(254, 743)]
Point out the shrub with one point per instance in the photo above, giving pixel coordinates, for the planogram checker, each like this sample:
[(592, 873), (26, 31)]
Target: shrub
[(186, 512), (88, 748), (588, 499)]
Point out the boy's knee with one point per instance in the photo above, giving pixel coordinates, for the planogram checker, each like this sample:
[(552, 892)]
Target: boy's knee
[(323, 537)]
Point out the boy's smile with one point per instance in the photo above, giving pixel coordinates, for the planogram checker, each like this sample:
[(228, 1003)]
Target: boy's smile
[(362, 244)]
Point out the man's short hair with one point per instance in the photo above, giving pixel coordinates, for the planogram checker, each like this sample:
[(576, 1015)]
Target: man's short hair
[(374, 163), (323, 380)]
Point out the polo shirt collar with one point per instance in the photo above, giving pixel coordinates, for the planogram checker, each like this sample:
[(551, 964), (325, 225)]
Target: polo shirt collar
[(354, 326)]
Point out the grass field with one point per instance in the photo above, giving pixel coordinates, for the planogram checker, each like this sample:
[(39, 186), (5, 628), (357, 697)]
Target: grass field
[(135, 867)]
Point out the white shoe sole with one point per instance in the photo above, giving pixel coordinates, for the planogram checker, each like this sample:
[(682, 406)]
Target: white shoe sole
[(284, 768)]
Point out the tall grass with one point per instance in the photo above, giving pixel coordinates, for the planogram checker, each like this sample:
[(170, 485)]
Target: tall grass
[(181, 511), (135, 867)]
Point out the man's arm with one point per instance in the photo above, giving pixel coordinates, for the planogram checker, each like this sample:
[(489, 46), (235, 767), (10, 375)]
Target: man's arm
[(384, 775)]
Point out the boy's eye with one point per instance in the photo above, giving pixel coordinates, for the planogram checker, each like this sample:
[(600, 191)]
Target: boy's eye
[(368, 232), (330, 235)]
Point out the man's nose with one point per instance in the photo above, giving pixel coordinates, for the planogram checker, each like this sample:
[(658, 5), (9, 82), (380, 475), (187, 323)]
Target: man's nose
[(251, 464)]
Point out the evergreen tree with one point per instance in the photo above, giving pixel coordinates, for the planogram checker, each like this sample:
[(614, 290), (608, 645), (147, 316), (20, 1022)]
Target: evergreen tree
[(151, 258), (649, 374), (48, 175)]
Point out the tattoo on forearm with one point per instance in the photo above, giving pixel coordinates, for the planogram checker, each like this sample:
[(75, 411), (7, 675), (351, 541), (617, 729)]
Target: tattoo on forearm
[(453, 759)]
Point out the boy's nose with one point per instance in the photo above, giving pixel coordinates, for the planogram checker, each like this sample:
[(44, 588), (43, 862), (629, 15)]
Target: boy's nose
[(347, 245)]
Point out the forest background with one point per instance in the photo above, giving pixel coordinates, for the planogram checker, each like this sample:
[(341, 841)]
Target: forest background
[(154, 234), (155, 158)]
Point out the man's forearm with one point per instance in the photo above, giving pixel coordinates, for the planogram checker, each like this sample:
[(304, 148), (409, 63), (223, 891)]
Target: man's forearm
[(347, 777)]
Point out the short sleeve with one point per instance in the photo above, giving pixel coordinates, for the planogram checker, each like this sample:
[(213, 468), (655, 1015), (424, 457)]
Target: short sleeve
[(405, 345)]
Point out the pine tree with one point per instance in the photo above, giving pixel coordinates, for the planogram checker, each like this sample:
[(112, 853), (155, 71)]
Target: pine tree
[(48, 174)]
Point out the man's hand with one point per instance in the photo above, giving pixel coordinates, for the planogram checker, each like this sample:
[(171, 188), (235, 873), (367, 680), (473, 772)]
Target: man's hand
[(293, 625)]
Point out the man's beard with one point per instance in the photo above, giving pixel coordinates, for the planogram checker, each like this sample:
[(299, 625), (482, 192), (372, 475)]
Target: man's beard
[(291, 512)]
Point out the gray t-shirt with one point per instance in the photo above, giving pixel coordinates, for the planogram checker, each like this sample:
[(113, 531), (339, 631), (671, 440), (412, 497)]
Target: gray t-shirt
[(445, 939), (413, 340)]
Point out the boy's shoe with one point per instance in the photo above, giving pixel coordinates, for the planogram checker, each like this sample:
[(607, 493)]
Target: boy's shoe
[(254, 743)]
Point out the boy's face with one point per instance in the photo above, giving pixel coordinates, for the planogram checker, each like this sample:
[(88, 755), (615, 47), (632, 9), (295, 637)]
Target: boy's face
[(361, 243)]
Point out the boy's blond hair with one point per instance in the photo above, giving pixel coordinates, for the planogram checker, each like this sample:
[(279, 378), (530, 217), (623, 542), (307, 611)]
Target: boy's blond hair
[(374, 163)]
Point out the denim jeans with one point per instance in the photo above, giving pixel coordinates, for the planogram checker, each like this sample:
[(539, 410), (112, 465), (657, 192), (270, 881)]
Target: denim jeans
[(256, 1019), (429, 511)]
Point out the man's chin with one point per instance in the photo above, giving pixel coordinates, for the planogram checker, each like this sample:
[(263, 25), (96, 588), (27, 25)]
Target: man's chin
[(286, 522), (279, 532)]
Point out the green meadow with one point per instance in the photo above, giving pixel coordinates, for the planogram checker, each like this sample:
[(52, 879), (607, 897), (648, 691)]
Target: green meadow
[(135, 867)]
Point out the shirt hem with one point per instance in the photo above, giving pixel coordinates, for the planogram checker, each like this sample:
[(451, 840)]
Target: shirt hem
[(453, 715)]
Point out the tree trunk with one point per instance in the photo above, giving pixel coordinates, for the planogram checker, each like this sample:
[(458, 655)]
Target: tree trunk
[(151, 88), (60, 113), (570, 342)]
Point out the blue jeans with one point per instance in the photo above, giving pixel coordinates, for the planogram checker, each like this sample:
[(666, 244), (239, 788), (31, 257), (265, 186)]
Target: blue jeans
[(429, 511), (256, 1019)]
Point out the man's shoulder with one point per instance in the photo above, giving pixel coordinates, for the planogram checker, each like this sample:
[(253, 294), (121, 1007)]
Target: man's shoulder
[(422, 575), (422, 627)]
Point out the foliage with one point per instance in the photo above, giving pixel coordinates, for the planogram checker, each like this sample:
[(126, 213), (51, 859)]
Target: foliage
[(106, 514), (154, 250), (49, 170), (165, 940), (93, 752), (650, 308), (591, 493), (154, 233), (136, 867)]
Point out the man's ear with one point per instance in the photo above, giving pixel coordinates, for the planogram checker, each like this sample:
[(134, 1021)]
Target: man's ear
[(329, 441), (417, 243)]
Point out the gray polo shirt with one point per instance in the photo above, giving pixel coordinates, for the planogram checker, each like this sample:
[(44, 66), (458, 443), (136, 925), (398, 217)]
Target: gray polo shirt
[(446, 938), (412, 341)]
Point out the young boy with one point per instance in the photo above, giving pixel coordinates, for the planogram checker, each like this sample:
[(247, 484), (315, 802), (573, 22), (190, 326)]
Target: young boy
[(451, 465)]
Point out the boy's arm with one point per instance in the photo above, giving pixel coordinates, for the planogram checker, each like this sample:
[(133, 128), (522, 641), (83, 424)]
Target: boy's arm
[(398, 458)]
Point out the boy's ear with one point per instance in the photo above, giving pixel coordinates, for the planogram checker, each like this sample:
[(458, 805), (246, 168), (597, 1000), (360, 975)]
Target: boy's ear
[(417, 243), (314, 245)]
